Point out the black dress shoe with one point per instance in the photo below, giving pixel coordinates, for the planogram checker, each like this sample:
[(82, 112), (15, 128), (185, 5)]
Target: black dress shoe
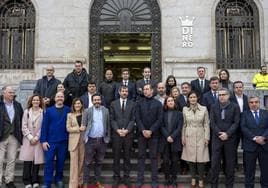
[(11, 185)]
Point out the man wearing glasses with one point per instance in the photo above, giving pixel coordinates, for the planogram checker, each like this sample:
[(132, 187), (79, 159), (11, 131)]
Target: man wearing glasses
[(224, 122), (47, 86)]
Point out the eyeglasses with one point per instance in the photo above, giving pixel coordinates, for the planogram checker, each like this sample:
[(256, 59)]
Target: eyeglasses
[(222, 94)]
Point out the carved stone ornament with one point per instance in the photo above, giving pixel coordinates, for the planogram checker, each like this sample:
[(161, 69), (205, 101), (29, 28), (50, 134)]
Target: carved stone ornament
[(124, 16)]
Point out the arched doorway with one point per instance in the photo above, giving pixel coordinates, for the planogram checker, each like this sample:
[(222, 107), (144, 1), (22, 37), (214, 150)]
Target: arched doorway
[(129, 30), (238, 35)]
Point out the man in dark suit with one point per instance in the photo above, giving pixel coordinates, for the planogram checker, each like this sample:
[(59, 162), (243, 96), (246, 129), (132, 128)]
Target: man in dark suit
[(241, 100), (149, 114), (145, 80), (254, 126), (126, 82), (211, 97), (87, 96), (201, 84), (239, 97), (185, 90), (224, 121), (122, 113)]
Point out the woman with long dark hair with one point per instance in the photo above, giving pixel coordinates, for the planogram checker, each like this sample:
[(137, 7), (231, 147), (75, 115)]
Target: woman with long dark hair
[(195, 138), (171, 140), (170, 83), (76, 143), (224, 77)]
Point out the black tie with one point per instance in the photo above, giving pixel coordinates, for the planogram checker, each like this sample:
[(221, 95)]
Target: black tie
[(215, 95), (123, 105), (147, 81), (125, 83), (202, 85)]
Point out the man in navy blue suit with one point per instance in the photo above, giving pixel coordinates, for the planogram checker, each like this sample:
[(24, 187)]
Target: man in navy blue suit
[(201, 84), (254, 126), (211, 97), (126, 82)]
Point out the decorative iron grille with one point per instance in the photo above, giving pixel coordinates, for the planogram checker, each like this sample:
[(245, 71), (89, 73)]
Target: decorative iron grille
[(237, 35), (124, 16), (17, 34)]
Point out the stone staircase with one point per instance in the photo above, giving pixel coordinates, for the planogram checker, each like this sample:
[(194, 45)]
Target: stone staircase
[(25, 89)]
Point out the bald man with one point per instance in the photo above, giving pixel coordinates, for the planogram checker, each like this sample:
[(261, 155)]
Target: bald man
[(54, 139), (47, 86)]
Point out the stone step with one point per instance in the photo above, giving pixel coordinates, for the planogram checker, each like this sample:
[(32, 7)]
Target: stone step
[(107, 176)]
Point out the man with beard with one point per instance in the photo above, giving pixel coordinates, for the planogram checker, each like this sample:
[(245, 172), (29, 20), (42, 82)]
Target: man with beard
[(97, 136), (76, 82), (54, 139), (122, 122)]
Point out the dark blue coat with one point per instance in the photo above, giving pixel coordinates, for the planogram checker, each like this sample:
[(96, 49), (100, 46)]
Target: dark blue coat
[(177, 124), (250, 129), (149, 114), (208, 100)]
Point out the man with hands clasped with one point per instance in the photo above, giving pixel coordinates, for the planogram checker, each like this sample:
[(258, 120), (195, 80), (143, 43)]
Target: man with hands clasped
[(224, 118), (254, 126), (122, 114), (149, 113)]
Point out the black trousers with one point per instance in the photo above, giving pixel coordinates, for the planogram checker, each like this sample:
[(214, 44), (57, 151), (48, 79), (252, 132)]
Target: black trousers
[(170, 160), (30, 172), (94, 152), (228, 149), (152, 144), (250, 159), (120, 144)]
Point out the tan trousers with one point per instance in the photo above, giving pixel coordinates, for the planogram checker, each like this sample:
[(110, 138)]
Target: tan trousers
[(9, 147), (77, 164)]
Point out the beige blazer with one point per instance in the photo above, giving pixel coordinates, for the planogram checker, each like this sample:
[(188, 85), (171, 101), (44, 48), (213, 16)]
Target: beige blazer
[(195, 131), (74, 132)]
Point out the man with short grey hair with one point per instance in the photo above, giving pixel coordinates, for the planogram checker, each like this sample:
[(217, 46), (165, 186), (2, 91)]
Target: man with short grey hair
[(10, 133)]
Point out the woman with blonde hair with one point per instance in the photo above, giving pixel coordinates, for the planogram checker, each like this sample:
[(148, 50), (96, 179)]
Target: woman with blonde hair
[(76, 143), (31, 150)]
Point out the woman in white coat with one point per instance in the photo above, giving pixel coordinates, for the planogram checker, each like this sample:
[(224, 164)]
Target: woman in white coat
[(31, 150)]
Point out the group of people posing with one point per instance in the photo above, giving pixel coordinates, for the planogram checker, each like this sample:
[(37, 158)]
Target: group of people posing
[(201, 123)]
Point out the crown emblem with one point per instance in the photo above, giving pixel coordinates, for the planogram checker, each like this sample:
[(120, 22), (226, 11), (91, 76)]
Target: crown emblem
[(186, 21)]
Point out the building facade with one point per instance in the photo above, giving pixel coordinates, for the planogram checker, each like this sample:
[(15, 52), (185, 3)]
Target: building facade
[(170, 36)]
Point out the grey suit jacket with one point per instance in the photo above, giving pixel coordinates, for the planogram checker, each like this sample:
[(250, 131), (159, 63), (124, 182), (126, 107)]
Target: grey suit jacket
[(88, 119)]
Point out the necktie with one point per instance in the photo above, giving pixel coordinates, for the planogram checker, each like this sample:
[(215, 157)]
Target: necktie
[(123, 106), (214, 95), (147, 81), (257, 118), (125, 83), (202, 85)]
